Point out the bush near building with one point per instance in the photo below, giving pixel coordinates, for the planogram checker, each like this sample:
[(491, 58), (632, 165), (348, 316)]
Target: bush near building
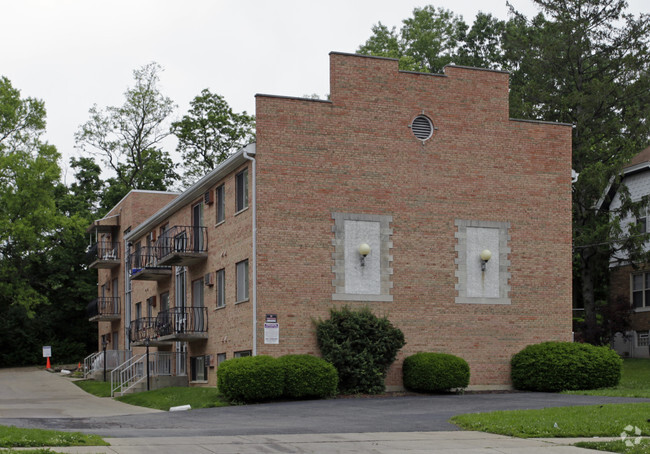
[(559, 366), (308, 377), (435, 372), (262, 378), (361, 346)]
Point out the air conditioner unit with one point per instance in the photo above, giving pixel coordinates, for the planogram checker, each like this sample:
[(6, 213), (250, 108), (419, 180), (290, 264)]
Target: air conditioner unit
[(208, 280), (208, 198)]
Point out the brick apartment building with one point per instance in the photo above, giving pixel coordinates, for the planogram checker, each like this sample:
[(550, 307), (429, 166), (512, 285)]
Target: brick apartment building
[(628, 281), (425, 170)]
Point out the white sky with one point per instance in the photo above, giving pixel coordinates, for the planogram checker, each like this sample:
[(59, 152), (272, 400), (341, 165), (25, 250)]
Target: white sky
[(75, 53)]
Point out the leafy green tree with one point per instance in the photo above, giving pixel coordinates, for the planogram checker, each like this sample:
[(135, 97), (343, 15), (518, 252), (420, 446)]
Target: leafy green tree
[(209, 133), (588, 63), (44, 288), (129, 137)]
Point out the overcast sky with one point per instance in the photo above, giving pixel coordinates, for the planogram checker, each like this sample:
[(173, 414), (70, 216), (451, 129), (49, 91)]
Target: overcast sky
[(76, 53)]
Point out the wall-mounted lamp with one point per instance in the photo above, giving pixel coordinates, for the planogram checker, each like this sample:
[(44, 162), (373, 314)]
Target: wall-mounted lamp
[(485, 256), (364, 250)]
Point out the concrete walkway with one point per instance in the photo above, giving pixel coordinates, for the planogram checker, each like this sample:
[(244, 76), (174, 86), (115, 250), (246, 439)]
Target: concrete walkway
[(29, 392), (376, 443)]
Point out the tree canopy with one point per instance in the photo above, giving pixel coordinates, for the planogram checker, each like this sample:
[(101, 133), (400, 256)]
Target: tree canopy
[(209, 133)]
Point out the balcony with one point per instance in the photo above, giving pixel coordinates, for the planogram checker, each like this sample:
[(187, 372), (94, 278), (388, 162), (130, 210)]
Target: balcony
[(182, 246), (104, 309), (103, 254), (181, 324), (145, 328), (144, 266)]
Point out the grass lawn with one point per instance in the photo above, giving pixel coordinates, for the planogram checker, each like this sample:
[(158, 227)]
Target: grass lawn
[(98, 388), (14, 437), (164, 398), (587, 421), (635, 381)]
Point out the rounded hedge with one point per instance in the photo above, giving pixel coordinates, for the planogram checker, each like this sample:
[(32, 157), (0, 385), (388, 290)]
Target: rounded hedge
[(559, 366), (308, 377), (435, 372), (251, 379)]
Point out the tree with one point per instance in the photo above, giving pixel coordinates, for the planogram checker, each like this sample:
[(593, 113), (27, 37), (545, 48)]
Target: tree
[(433, 38), (209, 133), (426, 42), (588, 64), (129, 137)]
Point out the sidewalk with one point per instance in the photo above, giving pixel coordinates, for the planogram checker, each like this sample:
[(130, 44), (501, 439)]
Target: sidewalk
[(29, 392), (376, 443)]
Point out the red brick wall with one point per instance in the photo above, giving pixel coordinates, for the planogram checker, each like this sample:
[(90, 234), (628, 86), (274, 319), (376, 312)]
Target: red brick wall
[(356, 154)]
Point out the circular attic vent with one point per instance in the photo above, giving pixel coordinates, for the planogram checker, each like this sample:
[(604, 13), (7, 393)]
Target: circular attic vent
[(422, 128)]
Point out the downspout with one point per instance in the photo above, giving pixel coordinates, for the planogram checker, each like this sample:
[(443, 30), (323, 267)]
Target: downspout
[(254, 261)]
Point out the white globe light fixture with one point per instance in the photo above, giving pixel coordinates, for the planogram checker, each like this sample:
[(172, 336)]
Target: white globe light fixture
[(485, 255), (364, 250)]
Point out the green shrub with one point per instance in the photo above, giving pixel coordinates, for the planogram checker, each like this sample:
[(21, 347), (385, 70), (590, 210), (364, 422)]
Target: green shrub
[(361, 346), (558, 366), (250, 379), (435, 372), (308, 377)]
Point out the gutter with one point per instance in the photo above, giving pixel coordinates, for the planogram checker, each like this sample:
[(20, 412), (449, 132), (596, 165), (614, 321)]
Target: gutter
[(254, 227)]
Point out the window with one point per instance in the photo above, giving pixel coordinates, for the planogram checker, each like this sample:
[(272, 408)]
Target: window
[(221, 288), (151, 302), (221, 357), (642, 339), (242, 281), (641, 290), (138, 311), (199, 368), (242, 353), (164, 301), (241, 190), (221, 203)]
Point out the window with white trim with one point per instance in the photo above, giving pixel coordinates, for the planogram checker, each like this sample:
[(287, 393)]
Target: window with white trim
[(641, 290), (242, 354), (241, 190), (242, 280), (221, 203), (221, 287)]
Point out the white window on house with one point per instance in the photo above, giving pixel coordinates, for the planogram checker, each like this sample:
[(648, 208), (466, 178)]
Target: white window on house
[(242, 353), (221, 203), (642, 339), (199, 368), (241, 190), (221, 288), (642, 220), (221, 357), (242, 281), (641, 290)]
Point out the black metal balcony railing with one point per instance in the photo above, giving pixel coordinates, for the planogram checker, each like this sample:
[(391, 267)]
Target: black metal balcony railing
[(104, 308), (103, 254), (143, 265), (182, 239), (142, 328), (182, 320)]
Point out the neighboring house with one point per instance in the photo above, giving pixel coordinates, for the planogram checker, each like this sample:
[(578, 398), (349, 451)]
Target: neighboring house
[(422, 173), (633, 283)]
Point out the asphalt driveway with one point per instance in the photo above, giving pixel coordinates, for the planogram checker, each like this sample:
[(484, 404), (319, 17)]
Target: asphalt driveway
[(66, 407)]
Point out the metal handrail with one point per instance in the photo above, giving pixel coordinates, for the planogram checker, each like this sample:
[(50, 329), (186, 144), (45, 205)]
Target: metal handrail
[(182, 238), (143, 328), (145, 257), (132, 371), (104, 305), (103, 250), (178, 320)]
